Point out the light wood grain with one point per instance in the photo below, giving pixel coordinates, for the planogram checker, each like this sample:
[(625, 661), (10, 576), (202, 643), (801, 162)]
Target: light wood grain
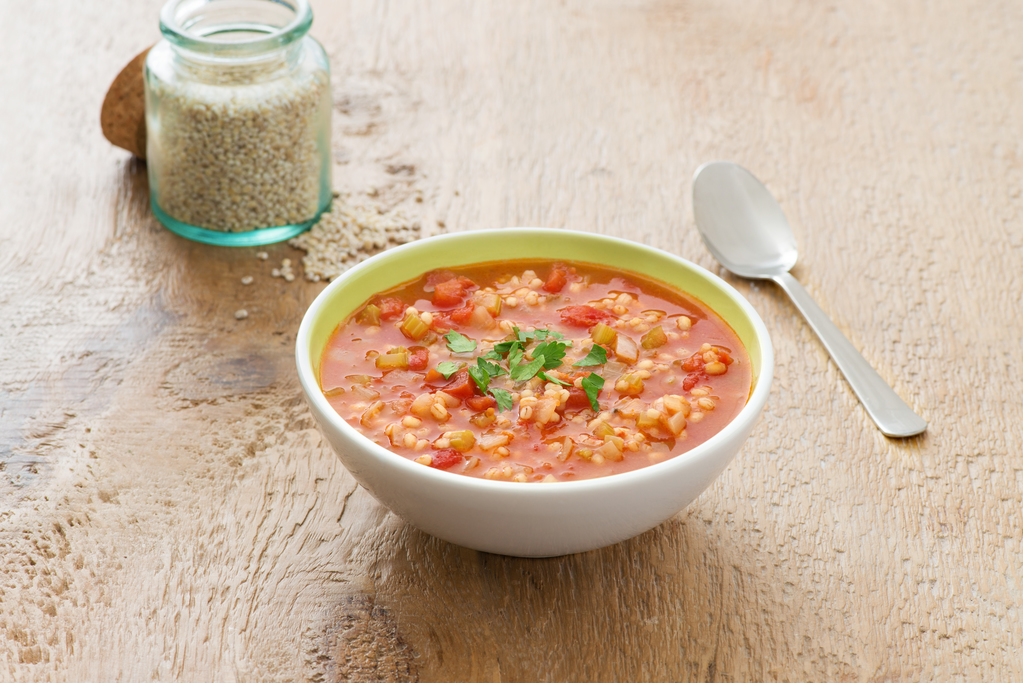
[(168, 510)]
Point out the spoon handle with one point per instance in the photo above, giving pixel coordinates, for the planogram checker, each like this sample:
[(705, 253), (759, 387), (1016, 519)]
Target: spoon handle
[(891, 414)]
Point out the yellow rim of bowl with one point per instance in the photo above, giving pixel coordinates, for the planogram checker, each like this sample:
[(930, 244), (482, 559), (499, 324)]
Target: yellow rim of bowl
[(394, 267)]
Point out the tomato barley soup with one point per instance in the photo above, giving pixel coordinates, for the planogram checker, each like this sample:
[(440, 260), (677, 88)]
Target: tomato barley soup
[(535, 371)]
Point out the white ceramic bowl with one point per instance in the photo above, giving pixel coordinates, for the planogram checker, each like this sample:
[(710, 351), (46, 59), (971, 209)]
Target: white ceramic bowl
[(529, 520)]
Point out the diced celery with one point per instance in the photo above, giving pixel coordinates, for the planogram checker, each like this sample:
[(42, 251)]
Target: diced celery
[(603, 334), (413, 327), (647, 422), (654, 338), (630, 385), (602, 430), (461, 440), (359, 379), (484, 420), (370, 315), (393, 361)]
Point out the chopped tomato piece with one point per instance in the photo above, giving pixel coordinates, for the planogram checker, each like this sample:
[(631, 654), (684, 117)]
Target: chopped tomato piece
[(691, 380), (462, 315), (445, 458), (391, 308), (723, 355), (441, 322), (449, 293), (694, 363), (448, 289), (418, 358), (557, 279), (480, 403), (461, 385), (583, 316), (577, 398), (436, 276)]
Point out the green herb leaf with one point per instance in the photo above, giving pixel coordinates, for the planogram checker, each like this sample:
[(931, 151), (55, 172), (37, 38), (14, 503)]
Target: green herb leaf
[(492, 355), (548, 334), (515, 356), (480, 377), (492, 369), (459, 343), (549, 378), (503, 398), (596, 356), (553, 351), (592, 384), (447, 368), (536, 335), (506, 346), (526, 371)]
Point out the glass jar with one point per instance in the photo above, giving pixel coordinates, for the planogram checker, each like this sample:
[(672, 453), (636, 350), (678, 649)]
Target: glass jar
[(238, 121)]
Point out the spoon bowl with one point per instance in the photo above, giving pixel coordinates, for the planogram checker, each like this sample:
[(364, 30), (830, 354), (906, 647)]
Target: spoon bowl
[(728, 200), (747, 232)]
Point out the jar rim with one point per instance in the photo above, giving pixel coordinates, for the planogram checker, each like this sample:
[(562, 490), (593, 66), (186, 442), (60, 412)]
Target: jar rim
[(176, 32)]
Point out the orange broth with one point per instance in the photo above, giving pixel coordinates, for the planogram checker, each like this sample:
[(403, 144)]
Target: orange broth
[(520, 404)]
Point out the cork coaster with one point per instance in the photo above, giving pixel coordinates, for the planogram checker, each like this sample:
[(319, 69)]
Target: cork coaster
[(123, 115)]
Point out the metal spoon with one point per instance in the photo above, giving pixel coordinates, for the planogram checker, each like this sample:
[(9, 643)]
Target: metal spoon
[(745, 229)]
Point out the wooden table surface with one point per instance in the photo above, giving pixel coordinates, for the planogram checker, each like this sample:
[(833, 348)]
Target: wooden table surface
[(169, 511)]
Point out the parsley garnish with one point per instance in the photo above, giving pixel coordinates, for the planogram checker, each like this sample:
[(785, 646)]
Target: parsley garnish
[(503, 398), (552, 351), (549, 378), (505, 346), (447, 368), (480, 376), (596, 356), (548, 354), (515, 355), (592, 384), (536, 335), (526, 371), (459, 343), (483, 371), (492, 369)]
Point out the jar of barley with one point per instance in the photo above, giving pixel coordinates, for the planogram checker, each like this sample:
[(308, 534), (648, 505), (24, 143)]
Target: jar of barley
[(238, 121)]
